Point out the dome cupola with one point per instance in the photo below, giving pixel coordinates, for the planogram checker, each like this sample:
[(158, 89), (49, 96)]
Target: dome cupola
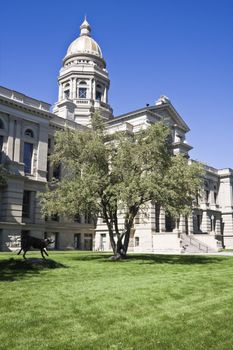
[(83, 80), (84, 44)]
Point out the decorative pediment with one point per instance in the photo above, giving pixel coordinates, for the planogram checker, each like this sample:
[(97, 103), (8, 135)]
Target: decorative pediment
[(170, 116)]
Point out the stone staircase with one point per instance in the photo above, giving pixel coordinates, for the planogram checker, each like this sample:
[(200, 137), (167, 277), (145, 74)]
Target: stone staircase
[(191, 244)]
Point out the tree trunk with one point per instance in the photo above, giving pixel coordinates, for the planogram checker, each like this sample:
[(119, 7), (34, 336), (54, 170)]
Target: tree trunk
[(121, 247)]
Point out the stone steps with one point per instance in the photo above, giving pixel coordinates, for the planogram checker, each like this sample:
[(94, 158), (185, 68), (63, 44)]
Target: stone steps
[(193, 245)]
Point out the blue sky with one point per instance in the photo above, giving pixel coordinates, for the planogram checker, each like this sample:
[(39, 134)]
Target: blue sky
[(182, 49)]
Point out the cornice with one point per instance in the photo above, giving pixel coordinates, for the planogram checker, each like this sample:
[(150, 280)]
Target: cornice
[(137, 113), (179, 119), (26, 108)]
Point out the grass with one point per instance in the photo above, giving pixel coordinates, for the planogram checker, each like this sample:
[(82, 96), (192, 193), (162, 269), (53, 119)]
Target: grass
[(83, 301), (226, 250)]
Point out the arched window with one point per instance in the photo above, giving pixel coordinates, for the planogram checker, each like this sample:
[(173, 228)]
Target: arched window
[(1, 124), (29, 132), (82, 83)]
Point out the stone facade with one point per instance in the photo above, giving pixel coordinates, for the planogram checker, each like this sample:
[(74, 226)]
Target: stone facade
[(27, 128)]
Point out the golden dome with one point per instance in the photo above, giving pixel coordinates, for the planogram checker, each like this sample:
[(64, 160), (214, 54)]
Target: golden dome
[(84, 44)]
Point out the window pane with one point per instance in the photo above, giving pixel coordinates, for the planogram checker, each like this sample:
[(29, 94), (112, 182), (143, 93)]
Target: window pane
[(26, 204), (55, 217), (1, 145), (55, 238), (27, 157), (57, 171), (77, 241), (88, 241), (88, 218), (82, 92), (67, 93), (98, 95), (29, 132), (77, 218)]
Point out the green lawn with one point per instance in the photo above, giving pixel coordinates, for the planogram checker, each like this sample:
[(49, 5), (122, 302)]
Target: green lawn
[(83, 301)]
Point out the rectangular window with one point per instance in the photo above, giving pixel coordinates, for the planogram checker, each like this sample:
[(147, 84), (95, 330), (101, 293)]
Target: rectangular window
[(55, 217), (88, 241), (48, 172), (215, 197), (199, 217), (67, 93), (169, 223), (98, 95), (77, 241), (1, 146), (27, 157), (157, 216), (88, 219), (26, 204), (136, 241), (54, 236), (207, 193), (49, 144), (57, 171), (137, 219), (77, 218), (82, 93)]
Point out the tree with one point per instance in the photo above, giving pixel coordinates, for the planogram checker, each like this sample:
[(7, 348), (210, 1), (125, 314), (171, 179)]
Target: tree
[(3, 176), (112, 176)]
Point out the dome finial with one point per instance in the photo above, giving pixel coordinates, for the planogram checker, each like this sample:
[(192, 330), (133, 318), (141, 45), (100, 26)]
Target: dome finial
[(85, 27)]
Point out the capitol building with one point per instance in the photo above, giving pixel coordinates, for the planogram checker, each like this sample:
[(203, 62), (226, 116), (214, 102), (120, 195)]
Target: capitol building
[(27, 129)]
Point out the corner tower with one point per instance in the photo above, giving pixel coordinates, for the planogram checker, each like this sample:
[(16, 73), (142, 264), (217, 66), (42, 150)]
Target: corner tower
[(83, 80)]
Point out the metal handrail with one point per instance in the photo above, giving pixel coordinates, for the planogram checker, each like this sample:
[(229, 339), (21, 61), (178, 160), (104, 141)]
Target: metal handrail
[(197, 244)]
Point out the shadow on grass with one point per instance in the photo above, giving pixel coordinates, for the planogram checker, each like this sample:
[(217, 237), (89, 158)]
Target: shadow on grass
[(15, 269), (153, 259)]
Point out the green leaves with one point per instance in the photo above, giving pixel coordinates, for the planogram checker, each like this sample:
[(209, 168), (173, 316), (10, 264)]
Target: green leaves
[(111, 175), (3, 175)]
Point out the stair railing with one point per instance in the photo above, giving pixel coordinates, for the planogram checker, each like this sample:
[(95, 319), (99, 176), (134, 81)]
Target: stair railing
[(196, 243)]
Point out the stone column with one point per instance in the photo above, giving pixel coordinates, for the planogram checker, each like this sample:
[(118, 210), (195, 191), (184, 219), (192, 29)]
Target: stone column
[(162, 224), (152, 215), (211, 197), (105, 94), (94, 89), (10, 143), (75, 88), (190, 224), (182, 227), (205, 225), (177, 226), (71, 88), (218, 227), (42, 153), (60, 97), (91, 88), (73, 94), (17, 142)]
